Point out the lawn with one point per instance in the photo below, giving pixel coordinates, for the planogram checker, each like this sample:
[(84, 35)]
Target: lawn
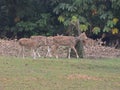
[(59, 74)]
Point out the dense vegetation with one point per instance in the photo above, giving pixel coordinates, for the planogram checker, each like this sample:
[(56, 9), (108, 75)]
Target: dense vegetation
[(23, 18)]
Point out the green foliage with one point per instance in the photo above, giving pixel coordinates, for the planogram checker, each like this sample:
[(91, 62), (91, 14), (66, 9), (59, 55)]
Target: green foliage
[(64, 6), (74, 19), (26, 25), (96, 30), (61, 19), (106, 29), (83, 27), (115, 31), (82, 19), (43, 21), (66, 22), (115, 4), (103, 16), (43, 16), (110, 24)]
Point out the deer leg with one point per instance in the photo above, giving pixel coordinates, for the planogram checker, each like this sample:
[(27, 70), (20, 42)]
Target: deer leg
[(34, 54), (56, 56), (69, 50), (75, 52), (23, 51), (49, 49), (38, 53), (56, 51), (48, 52), (19, 52)]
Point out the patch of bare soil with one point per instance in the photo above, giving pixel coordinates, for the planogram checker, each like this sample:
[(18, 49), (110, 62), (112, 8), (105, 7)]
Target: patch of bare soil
[(12, 48), (84, 77), (6, 80)]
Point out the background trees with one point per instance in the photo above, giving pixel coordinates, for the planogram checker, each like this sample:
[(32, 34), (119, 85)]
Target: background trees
[(23, 18)]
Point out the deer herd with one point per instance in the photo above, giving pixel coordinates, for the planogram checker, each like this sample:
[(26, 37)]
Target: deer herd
[(35, 42)]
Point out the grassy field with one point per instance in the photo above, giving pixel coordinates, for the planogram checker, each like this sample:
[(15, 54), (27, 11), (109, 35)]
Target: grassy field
[(59, 74)]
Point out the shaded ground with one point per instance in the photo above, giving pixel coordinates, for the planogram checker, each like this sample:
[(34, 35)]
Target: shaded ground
[(12, 48)]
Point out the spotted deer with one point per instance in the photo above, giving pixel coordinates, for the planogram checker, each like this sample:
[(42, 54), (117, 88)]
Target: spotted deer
[(68, 41), (88, 42), (29, 44), (44, 41)]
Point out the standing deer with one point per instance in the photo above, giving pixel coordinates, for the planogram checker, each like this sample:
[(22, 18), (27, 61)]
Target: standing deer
[(68, 41), (34, 42), (30, 44)]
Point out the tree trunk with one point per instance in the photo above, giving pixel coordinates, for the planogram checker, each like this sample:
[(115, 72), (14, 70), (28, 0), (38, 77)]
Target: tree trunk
[(79, 45)]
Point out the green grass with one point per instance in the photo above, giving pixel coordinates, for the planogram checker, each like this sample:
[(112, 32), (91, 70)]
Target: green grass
[(59, 74)]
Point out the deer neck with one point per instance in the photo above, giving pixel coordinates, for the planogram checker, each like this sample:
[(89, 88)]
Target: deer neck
[(77, 39)]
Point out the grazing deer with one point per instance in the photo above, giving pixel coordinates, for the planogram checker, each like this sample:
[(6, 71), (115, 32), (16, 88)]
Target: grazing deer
[(30, 44), (68, 41), (88, 42), (41, 40), (44, 41)]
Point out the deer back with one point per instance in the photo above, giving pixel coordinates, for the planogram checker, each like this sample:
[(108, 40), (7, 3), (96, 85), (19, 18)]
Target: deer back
[(64, 40), (49, 41), (41, 40), (27, 42)]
